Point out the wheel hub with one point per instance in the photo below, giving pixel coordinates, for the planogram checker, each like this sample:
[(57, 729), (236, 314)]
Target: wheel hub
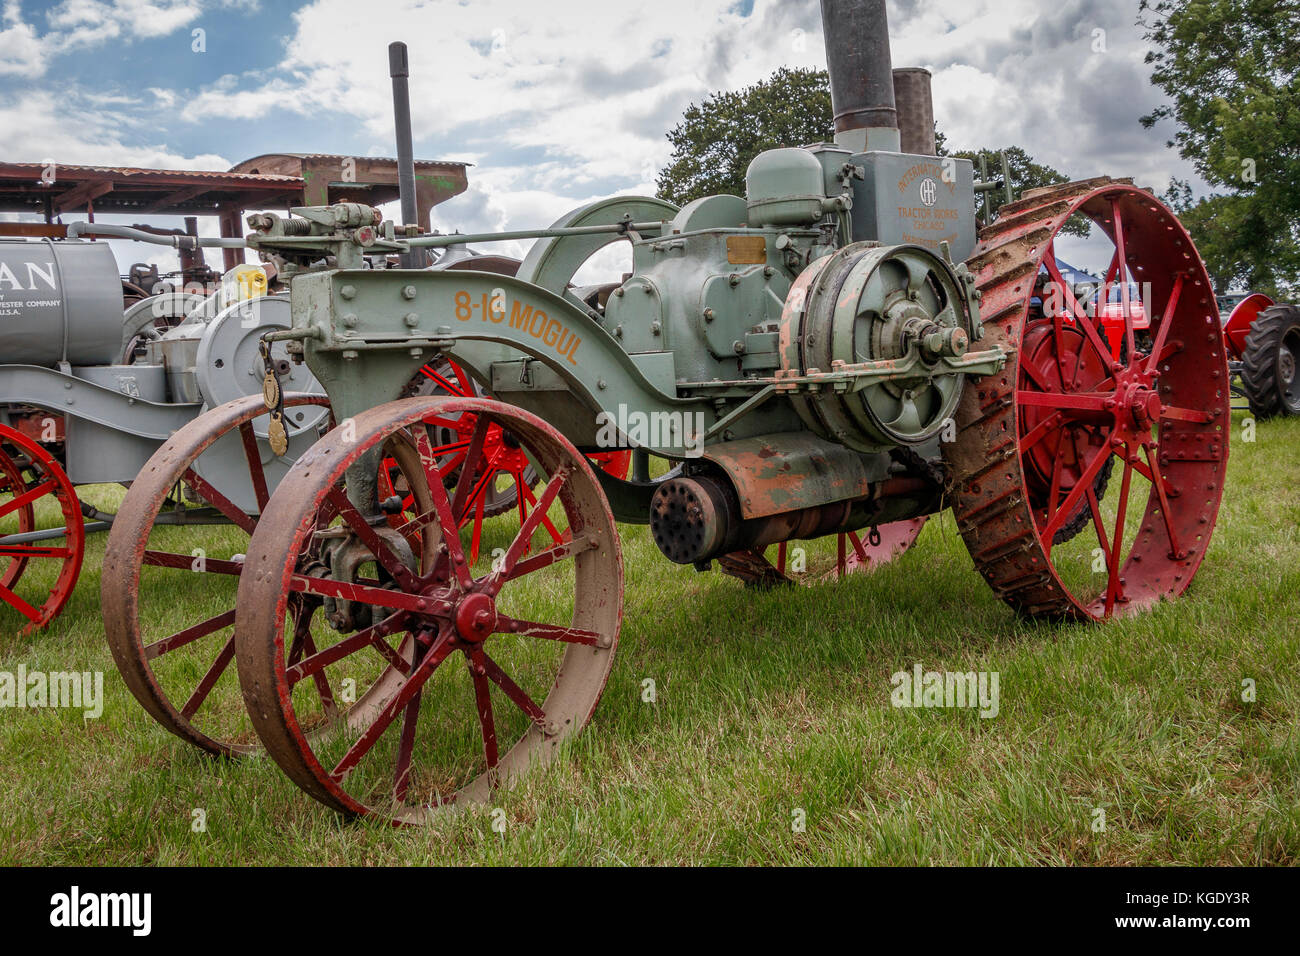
[(476, 617)]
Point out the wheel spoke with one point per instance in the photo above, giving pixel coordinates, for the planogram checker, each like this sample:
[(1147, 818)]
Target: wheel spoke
[(546, 522), (32, 494), (219, 501), (25, 551), (1094, 506), (549, 632), (1114, 586), (1166, 322), (513, 691), (359, 593), (1121, 257), (483, 704), (372, 636), (535, 517), (545, 559), (1033, 373), (253, 454), (419, 676), (376, 545), (1041, 430), (436, 376), (467, 485), (210, 679), (189, 635), (185, 562), (303, 644), (1066, 401), (1062, 514), (1158, 480), (442, 506), (22, 606), (476, 536), (405, 747), (527, 527)]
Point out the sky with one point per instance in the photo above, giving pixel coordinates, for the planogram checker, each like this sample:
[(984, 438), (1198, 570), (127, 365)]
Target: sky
[(555, 103)]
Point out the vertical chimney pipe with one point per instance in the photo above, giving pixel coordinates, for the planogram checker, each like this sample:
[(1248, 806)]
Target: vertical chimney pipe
[(399, 70), (862, 79)]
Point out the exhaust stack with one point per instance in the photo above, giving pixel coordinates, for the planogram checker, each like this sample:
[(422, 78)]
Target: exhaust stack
[(862, 77), (915, 110), (399, 70)]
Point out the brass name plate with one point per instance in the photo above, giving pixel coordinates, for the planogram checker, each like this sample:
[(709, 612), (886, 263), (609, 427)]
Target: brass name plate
[(746, 250)]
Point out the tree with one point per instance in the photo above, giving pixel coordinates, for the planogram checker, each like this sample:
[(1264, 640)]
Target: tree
[(1231, 70), (715, 140), (1025, 174)]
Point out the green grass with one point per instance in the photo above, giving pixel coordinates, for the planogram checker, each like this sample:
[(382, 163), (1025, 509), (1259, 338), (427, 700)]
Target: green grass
[(768, 703)]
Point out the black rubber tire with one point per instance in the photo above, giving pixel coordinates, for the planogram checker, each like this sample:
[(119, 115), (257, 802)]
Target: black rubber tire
[(1269, 374)]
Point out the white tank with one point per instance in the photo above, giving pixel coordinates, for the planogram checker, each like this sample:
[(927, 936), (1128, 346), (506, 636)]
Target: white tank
[(59, 301)]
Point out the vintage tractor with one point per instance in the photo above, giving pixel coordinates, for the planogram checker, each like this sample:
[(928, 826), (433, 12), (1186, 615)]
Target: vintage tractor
[(837, 351), (1263, 342)]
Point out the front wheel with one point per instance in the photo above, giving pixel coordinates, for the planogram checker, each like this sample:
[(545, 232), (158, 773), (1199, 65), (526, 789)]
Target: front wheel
[(462, 683)]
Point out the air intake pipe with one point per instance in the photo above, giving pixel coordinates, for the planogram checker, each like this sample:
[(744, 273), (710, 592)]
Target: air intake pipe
[(862, 78)]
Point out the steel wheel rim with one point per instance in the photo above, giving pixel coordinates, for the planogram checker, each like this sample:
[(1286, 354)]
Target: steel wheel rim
[(47, 481), (1178, 393), (128, 552), (438, 601)]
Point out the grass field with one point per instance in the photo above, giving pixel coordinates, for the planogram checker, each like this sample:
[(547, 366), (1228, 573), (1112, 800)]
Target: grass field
[(773, 708)]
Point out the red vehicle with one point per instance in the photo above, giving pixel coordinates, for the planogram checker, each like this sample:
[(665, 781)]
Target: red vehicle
[(1263, 342)]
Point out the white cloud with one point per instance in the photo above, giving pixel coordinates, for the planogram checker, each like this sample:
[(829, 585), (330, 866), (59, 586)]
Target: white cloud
[(41, 125), (563, 102)]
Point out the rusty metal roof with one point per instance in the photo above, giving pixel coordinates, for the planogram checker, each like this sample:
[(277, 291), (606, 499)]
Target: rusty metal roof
[(51, 190)]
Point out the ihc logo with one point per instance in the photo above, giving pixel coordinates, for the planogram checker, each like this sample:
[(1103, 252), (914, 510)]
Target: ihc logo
[(929, 191)]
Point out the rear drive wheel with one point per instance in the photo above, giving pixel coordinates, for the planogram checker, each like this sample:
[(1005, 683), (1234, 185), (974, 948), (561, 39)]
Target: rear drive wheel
[(1268, 363)]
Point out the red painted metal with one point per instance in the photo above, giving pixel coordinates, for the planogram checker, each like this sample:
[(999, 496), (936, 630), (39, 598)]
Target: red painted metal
[(445, 608), (175, 672), (865, 551), (1242, 318), (1034, 440), (37, 496), (501, 457)]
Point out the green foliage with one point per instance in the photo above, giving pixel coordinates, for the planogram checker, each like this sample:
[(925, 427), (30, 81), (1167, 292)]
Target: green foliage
[(716, 139), (1025, 174), (1231, 69)]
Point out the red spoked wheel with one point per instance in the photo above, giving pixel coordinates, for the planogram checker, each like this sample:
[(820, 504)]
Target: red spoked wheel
[(168, 591), (1036, 441), (505, 479), (42, 534), (499, 492), (534, 635), (867, 550)]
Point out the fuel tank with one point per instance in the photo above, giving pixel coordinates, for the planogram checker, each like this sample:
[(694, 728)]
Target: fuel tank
[(59, 301)]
